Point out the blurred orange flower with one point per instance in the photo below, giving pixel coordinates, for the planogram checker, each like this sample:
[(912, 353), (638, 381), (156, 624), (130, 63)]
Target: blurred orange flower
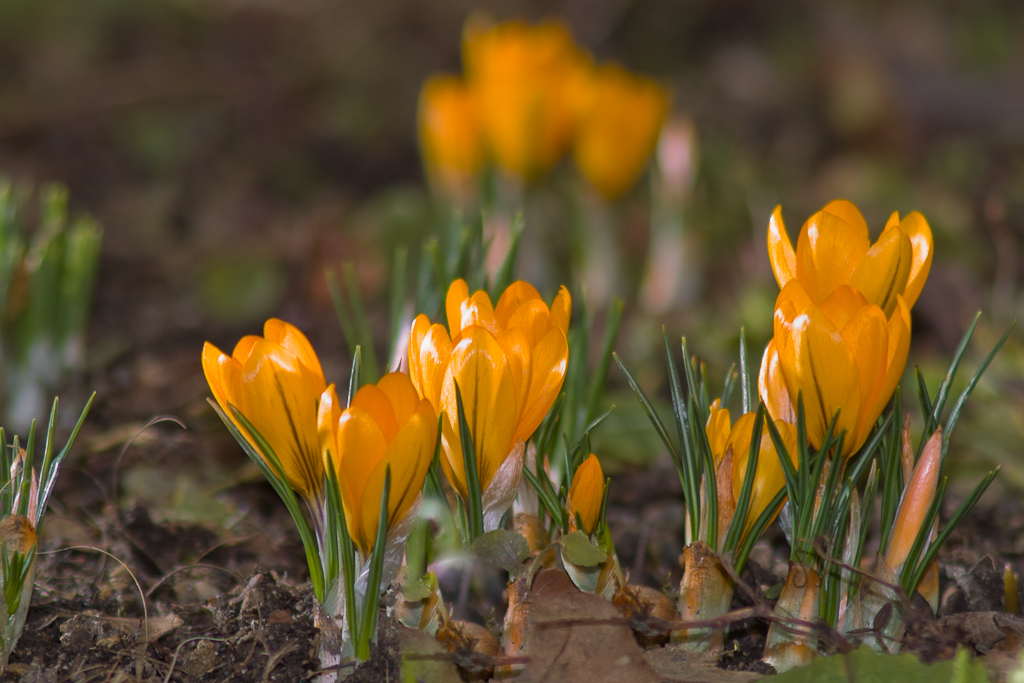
[(526, 81), (450, 136), (619, 128)]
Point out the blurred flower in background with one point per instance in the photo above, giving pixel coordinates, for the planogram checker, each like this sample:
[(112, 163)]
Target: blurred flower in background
[(526, 81), (621, 118), (450, 137)]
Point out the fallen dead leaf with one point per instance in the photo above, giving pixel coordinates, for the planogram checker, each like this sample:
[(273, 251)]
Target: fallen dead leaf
[(591, 646), (675, 664)]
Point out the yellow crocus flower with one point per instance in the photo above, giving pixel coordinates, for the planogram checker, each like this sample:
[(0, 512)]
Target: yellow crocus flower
[(833, 249), (526, 80), (275, 381), (733, 440), (450, 137), (586, 494), (387, 424), (509, 361), (619, 128), (843, 355)]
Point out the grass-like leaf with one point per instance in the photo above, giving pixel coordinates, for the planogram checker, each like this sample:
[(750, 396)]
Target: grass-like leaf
[(474, 502), (371, 604)]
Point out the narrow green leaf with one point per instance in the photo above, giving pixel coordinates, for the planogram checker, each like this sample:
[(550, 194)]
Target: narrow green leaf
[(371, 605), (474, 504), (743, 502), (962, 400), (745, 384), (275, 475), (600, 373)]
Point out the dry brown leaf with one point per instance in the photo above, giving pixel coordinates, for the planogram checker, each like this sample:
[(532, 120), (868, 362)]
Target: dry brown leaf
[(579, 637), (675, 664)]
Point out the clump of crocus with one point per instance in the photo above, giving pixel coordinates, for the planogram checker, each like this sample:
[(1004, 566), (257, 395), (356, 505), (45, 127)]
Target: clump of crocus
[(732, 487), (748, 478), (358, 468), (24, 496), (621, 116), (505, 364), (450, 136), (842, 319)]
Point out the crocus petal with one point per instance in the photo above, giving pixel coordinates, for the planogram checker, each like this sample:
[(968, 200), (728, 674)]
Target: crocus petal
[(484, 377), (430, 349), (519, 354), (457, 293), (409, 456), (916, 499), (296, 343), (281, 404), (772, 386), (561, 309), (477, 310), (214, 361), (867, 337), (780, 249), (828, 249), (548, 367), (897, 350), (768, 477), (882, 274), (514, 296), (822, 367), (401, 395), (718, 428), (361, 448), (375, 403), (533, 319), (916, 228)]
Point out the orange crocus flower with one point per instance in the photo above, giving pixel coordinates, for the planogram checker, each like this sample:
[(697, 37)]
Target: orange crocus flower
[(387, 424), (275, 381), (619, 128), (843, 356), (586, 495), (526, 80), (833, 249), (450, 136), (842, 319), (733, 439), (509, 362)]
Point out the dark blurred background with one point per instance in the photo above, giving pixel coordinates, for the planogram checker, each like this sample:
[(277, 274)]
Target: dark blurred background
[(233, 149)]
